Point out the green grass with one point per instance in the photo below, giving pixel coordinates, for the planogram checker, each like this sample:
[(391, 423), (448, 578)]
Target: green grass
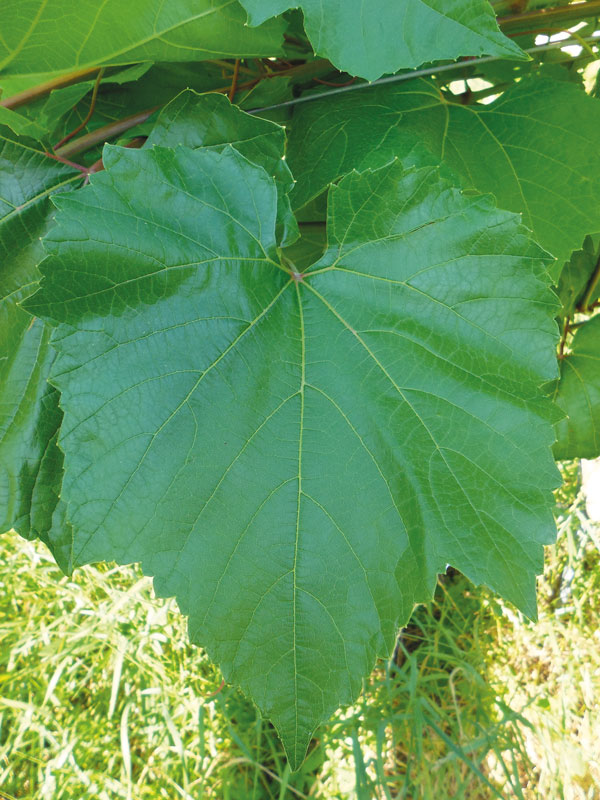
[(102, 697)]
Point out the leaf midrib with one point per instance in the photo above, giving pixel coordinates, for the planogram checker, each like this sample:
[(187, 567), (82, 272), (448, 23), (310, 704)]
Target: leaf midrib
[(299, 500)]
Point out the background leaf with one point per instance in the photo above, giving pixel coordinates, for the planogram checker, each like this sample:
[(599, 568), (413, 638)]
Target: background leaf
[(30, 462), (574, 284), (42, 38), (210, 120), (21, 125), (386, 35), (578, 395), (535, 148), (295, 459)]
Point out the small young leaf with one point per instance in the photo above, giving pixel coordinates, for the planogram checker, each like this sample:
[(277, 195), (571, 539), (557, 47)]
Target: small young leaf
[(295, 456), (157, 85), (388, 35), (65, 105), (578, 394), (21, 125)]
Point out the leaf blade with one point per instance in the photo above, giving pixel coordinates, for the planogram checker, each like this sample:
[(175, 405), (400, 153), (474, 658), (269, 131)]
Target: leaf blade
[(578, 395), (104, 33), (524, 144), (210, 120), (389, 36)]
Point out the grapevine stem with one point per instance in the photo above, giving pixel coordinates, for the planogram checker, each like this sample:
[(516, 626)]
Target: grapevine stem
[(309, 70), (66, 161), (220, 689), (43, 89), (29, 95), (295, 42), (575, 11), (419, 73), (105, 132), (112, 129), (563, 338), (229, 66), (234, 80)]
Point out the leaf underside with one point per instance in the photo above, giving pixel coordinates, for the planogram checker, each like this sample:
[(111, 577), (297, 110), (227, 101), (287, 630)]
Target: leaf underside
[(296, 458)]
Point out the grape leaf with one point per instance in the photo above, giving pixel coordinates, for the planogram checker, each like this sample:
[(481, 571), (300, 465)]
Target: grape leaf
[(577, 273), (210, 120), (578, 394), (21, 125), (61, 104), (157, 86), (42, 38), (536, 148), (296, 456), (49, 111), (30, 461), (332, 136), (389, 35)]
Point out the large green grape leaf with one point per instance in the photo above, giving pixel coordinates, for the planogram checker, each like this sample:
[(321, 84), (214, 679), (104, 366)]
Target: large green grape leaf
[(210, 120), (295, 456), (41, 38), (578, 394), (535, 148), (30, 461), (388, 35)]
